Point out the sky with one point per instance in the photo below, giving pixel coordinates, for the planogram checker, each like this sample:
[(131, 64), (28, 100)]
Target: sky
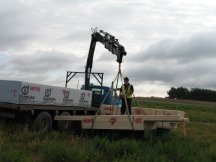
[(168, 43)]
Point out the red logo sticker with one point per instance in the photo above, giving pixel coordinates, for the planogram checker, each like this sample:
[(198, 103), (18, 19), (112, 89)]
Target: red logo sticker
[(138, 120), (13, 92), (111, 109), (66, 93), (113, 121), (37, 89), (138, 111), (87, 120)]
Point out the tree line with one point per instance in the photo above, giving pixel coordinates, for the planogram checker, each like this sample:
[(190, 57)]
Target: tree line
[(192, 94)]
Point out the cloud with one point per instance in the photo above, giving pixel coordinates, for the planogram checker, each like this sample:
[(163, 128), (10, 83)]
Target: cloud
[(186, 49), (18, 25), (187, 61), (45, 67), (44, 62)]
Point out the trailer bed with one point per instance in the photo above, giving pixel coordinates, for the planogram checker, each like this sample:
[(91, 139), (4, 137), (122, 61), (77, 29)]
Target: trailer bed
[(9, 110), (123, 122)]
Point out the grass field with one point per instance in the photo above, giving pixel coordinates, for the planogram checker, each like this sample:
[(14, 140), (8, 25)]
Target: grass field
[(18, 144)]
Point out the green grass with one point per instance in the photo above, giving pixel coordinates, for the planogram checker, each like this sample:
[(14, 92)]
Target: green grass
[(18, 144)]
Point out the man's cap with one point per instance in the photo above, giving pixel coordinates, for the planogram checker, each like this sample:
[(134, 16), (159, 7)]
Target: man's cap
[(126, 78)]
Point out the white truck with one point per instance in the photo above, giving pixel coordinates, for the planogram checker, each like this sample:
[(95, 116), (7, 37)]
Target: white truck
[(37, 103), (45, 106)]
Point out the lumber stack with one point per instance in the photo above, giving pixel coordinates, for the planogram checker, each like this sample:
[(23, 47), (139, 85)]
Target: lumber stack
[(115, 110), (122, 122)]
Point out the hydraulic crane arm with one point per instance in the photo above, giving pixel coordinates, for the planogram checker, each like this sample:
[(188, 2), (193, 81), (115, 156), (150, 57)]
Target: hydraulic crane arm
[(110, 43)]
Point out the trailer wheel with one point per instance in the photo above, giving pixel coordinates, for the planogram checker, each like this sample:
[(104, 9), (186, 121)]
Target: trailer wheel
[(43, 122), (64, 125)]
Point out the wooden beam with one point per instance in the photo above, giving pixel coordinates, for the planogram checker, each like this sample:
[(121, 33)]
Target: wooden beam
[(162, 118)]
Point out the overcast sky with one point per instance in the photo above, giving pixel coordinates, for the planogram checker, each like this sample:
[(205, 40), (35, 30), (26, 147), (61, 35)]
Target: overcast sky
[(168, 43)]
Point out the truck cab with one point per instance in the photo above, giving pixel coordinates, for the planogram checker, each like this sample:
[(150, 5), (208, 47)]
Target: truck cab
[(104, 95)]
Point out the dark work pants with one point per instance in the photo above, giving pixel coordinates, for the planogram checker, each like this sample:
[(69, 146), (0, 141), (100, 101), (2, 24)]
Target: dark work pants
[(123, 108)]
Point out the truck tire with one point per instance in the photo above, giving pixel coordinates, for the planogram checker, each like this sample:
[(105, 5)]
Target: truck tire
[(64, 125), (43, 122)]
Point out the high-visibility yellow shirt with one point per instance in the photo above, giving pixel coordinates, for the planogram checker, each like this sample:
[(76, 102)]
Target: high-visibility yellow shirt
[(127, 91)]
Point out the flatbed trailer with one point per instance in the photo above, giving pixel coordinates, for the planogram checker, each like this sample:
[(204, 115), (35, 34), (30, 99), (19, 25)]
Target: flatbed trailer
[(142, 119)]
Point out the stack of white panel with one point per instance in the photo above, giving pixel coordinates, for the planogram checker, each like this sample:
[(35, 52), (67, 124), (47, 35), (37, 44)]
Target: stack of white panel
[(29, 93)]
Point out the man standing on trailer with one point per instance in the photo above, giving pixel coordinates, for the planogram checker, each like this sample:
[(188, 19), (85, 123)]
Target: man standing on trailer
[(126, 92)]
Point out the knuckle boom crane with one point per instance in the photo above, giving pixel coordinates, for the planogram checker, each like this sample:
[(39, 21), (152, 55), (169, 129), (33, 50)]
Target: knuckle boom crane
[(110, 43)]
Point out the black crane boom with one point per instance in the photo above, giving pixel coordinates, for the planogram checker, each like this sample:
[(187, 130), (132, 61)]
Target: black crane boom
[(110, 43)]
